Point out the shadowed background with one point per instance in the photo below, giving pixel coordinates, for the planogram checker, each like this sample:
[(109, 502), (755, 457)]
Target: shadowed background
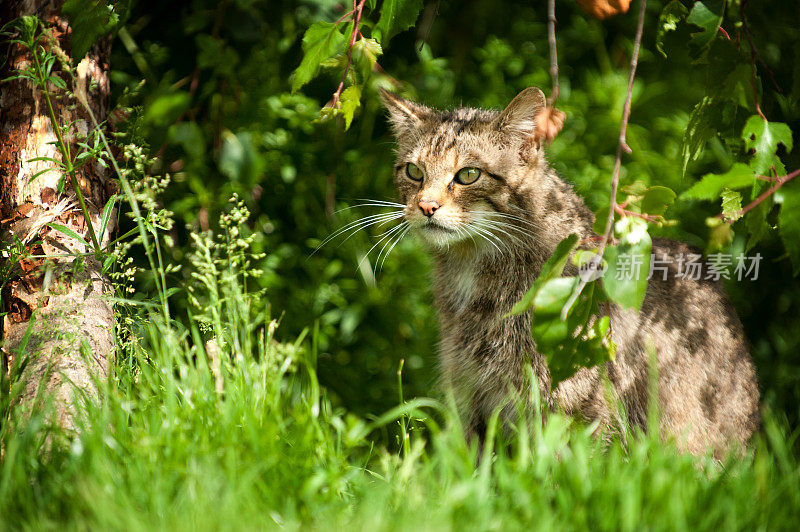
[(216, 105)]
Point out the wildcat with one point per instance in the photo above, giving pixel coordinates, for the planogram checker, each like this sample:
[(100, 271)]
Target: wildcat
[(478, 191)]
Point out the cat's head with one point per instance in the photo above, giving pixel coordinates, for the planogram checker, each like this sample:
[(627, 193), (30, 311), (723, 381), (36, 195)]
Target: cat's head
[(465, 174)]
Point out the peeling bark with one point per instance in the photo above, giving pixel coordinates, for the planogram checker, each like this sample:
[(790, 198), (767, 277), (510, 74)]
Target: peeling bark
[(58, 315)]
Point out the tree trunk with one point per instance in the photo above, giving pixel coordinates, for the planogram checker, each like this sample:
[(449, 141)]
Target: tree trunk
[(59, 324)]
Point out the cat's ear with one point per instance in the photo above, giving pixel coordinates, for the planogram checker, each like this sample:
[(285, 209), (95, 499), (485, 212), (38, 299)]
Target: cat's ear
[(520, 115), (404, 115)]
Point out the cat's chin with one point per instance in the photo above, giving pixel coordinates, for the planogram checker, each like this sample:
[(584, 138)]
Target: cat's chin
[(440, 236)]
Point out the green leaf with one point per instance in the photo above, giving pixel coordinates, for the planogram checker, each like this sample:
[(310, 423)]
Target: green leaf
[(365, 55), (580, 341), (731, 204), (700, 129), (69, 232), (238, 157), (58, 82), (711, 185), (107, 215), (625, 279), (756, 224), (550, 270), (672, 13), (190, 136), (553, 294), (166, 108), (351, 100), (213, 53), (657, 199), (763, 137), (707, 15), (89, 20), (789, 222), (637, 188), (397, 16), (600, 220), (321, 41)]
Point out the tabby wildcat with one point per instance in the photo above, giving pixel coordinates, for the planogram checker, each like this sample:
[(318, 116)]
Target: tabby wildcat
[(478, 190)]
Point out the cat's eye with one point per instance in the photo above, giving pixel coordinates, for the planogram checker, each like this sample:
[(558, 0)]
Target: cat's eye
[(413, 172), (467, 176)]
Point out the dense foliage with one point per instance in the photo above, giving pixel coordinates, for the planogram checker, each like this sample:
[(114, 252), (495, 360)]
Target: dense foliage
[(220, 103), (272, 102)]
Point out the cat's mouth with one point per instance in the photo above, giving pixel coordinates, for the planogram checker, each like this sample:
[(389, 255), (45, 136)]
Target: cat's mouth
[(435, 227)]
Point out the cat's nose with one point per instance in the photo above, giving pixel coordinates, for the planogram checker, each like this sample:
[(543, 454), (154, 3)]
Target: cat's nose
[(428, 207)]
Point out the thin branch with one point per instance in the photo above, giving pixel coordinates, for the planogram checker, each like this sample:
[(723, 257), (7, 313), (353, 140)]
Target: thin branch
[(358, 8), (623, 130), (754, 55), (643, 215), (779, 182), (551, 37), (594, 264)]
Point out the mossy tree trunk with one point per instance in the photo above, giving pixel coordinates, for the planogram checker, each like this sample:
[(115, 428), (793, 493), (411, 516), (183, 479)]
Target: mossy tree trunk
[(58, 324)]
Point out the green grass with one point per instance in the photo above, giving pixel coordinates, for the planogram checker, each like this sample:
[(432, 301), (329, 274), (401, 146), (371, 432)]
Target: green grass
[(164, 449)]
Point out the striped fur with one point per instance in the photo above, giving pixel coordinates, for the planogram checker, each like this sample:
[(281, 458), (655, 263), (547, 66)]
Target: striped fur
[(490, 239)]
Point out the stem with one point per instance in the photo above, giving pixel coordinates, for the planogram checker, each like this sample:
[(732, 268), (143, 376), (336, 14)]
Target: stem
[(623, 130), (65, 154), (403, 429), (358, 8), (137, 214), (551, 37), (621, 146)]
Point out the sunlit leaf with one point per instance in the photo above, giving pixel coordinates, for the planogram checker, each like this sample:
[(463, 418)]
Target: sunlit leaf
[(709, 188), (625, 279), (707, 15), (351, 100), (321, 41), (397, 16), (672, 13), (763, 138), (551, 269)]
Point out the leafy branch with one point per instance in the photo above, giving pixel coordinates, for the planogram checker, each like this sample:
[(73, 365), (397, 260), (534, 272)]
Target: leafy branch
[(778, 183), (41, 75), (357, 9), (325, 46), (622, 146)]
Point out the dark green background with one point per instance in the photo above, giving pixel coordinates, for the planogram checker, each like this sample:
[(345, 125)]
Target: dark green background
[(242, 130)]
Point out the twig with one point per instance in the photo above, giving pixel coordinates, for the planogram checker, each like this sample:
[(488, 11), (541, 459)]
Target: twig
[(753, 71), (754, 55), (594, 264), (779, 182), (358, 8), (551, 37), (644, 216), (623, 130)]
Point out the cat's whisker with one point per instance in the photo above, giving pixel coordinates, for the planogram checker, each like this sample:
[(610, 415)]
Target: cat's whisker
[(396, 241), (489, 237), (359, 224), (508, 217), (372, 203), (490, 242), (384, 202), (389, 233), (514, 240), (502, 228), (377, 223)]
